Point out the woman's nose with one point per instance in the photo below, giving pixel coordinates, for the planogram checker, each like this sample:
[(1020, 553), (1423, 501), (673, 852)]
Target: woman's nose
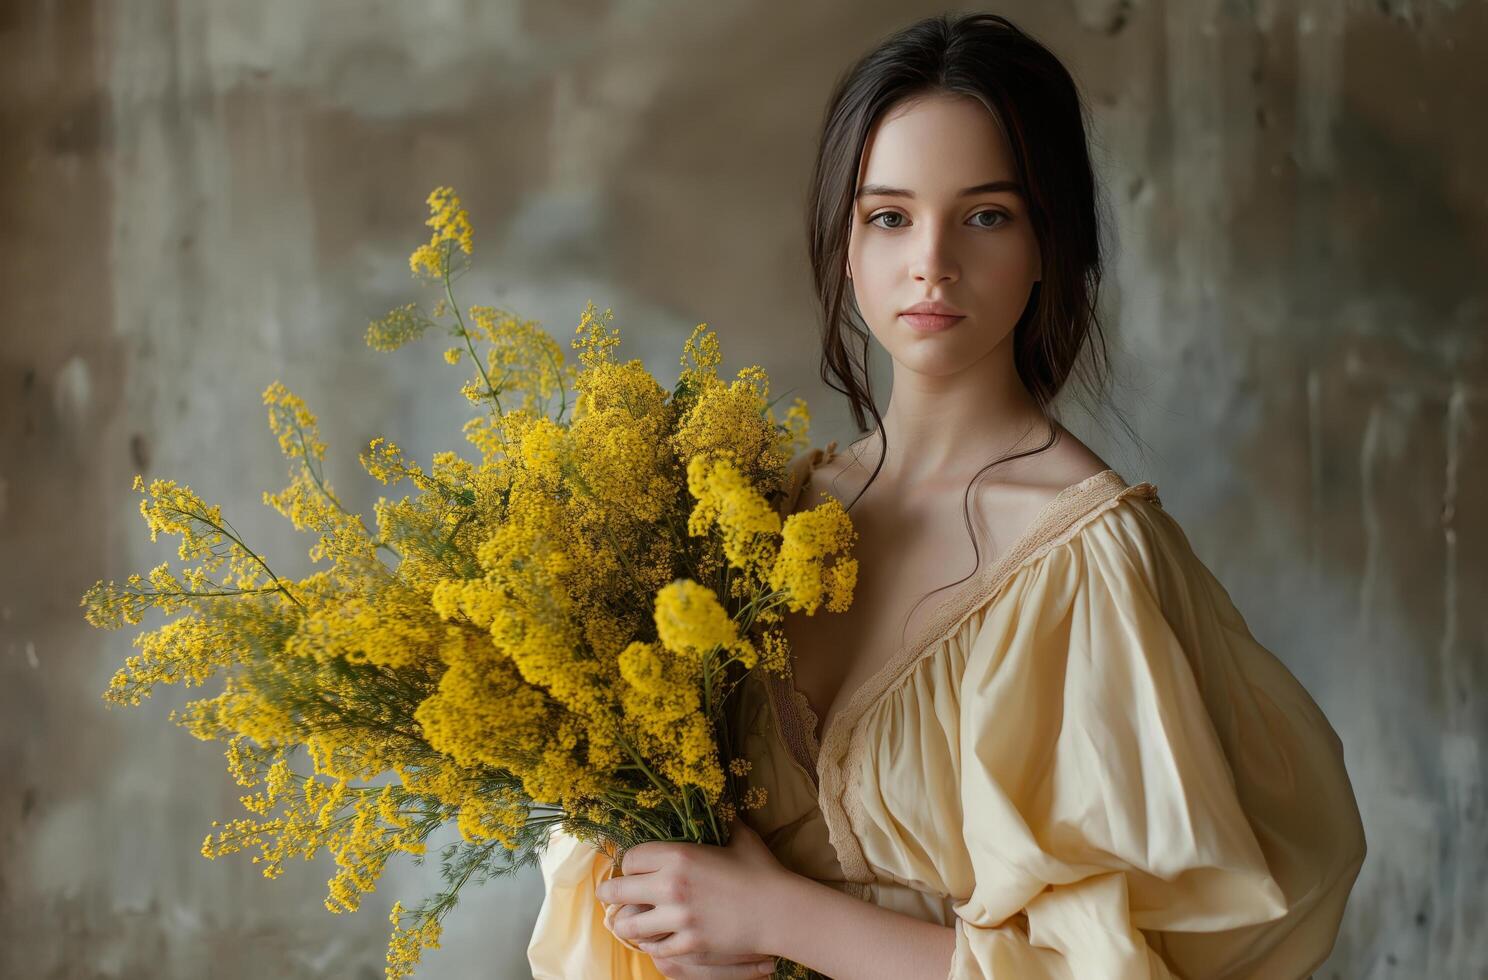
[(934, 259)]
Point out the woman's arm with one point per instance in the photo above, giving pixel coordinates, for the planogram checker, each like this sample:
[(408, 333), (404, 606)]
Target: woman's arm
[(841, 936)]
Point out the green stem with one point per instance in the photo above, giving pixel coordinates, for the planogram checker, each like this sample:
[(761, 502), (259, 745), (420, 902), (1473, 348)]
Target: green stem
[(232, 536), (562, 389), (464, 333), (665, 790)]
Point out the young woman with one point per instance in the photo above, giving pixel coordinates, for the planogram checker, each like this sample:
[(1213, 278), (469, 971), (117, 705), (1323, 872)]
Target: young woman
[(1078, 763)]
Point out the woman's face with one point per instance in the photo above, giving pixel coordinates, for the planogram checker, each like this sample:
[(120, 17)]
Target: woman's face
[(917, 237)]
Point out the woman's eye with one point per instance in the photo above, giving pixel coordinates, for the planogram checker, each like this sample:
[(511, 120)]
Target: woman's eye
[(996, 214), (885, 214)]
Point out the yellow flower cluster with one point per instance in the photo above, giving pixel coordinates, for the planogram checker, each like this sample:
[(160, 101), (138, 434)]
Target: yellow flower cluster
[(727, 499), (451, 223), (811, 567), (545, 635), (523, 357), (407, 944), (397, 327), (691, 622)]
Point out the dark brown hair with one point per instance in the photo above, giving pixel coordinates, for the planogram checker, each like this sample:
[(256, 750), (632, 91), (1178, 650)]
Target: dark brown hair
[(1035, 101)]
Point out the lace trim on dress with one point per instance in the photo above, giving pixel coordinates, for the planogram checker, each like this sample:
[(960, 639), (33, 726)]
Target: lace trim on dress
[(842, 747), (797, 722)]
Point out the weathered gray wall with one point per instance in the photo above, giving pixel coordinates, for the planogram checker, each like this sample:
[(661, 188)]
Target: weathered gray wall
[(200, 196)]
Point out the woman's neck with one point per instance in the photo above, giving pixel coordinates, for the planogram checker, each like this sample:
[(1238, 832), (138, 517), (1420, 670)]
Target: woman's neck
[(941, 425)]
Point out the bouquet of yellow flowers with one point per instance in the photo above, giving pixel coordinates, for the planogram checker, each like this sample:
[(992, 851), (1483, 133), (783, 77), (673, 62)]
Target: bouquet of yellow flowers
[(545, 636)]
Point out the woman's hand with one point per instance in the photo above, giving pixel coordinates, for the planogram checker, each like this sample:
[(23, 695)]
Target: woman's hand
[(705, 904), (699, 966)]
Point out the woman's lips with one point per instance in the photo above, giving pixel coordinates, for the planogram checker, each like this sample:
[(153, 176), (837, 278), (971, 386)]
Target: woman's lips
[(930, 322)]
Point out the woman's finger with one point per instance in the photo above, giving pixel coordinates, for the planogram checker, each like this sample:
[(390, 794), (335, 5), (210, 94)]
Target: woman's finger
[(647, 922), (611, 918), (631, 911), (720, 959), (674, 967), (634, 889)]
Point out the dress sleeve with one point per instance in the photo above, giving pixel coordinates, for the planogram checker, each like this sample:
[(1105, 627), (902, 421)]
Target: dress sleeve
[(570, 938), (1147, 792)]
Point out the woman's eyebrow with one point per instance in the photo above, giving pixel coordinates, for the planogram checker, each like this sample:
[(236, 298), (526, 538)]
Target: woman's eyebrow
[(991, 187)]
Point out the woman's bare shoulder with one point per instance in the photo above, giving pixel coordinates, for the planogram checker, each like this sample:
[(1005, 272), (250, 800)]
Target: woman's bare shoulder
[(1068, 462), (1010, 496)]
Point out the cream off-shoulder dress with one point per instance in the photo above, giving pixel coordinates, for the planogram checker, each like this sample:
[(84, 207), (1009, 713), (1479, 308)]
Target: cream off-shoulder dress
[(1084, 763)]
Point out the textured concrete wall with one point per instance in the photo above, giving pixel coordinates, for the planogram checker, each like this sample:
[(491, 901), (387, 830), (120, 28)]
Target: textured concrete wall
[(203, 196)]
